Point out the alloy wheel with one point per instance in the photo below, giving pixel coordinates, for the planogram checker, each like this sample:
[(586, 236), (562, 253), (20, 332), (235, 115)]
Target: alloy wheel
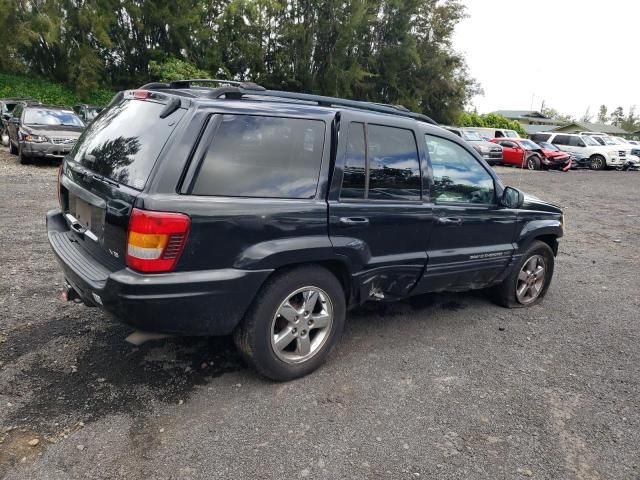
[(531, 280), (301, 325), (597, 163)]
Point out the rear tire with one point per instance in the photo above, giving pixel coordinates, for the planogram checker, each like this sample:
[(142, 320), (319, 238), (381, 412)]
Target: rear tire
[(598, 162), (527, 285), (287, 332)]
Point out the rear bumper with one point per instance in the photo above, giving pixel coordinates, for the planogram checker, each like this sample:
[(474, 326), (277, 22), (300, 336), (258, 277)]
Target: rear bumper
[(208, 302)]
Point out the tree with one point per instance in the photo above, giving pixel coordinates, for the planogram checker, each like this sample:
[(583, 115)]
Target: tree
[(602, 114), (390, 51), (490, 120), (587, 117), (554, 114), (617, 117), (631, 122)]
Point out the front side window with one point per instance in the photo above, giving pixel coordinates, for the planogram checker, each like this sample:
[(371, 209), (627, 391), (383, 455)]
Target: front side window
[(457, 176), (42, 116), (578, 142), (268, 157)]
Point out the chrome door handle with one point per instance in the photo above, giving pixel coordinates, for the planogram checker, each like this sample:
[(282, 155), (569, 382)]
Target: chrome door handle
[(352, 221), (449, 221)]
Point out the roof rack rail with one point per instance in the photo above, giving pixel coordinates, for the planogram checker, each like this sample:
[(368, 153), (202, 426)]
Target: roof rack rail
[(236, 90), (341, 102)]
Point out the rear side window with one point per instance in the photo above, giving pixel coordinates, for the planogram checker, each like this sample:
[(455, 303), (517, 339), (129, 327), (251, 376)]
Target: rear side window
[(270, 157), (561, 140), (124, 142), (394, 170), (354, 180), (387, 168)]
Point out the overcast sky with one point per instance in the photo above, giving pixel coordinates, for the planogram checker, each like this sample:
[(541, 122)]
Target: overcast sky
[(572, 54)]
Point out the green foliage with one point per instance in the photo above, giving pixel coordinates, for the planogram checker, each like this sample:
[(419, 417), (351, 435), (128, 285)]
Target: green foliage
[(52, 93), (490, 120), (391, 51), (174, 69)]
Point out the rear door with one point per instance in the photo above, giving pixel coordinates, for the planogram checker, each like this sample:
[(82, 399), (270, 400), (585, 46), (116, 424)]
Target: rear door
[(378, 215), (472, 238), (108, 169)]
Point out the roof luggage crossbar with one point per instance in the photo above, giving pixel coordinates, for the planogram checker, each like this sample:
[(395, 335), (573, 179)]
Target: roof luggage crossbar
[(236, 90)]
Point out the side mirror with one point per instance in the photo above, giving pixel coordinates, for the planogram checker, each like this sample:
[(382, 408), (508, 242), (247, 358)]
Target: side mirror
[(512, 198)]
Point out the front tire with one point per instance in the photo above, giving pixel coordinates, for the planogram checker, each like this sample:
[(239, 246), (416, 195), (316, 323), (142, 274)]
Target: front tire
[(24, 160), (293, 324), (534, 162), (529, 281), (598, 162)]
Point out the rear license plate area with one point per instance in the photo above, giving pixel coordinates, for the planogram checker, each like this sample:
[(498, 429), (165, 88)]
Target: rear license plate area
[(89, 216)]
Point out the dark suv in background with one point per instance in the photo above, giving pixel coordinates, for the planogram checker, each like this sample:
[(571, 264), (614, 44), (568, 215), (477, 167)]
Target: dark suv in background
[(7, 105), (42, 131), (209, 211)]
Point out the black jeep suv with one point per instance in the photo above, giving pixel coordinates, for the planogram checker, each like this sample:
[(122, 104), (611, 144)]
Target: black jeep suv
[(210, 211)]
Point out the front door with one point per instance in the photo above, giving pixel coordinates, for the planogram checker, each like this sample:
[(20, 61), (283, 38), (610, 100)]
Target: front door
[(472, 238), (512, 154), (377, 216), (13, 127)]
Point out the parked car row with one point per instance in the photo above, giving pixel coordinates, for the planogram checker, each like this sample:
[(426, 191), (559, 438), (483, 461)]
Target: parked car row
[(603, 151), (559, 151), (35, 131)]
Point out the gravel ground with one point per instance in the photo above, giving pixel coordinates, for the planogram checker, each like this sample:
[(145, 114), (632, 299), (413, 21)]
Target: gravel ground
[(440, 386)]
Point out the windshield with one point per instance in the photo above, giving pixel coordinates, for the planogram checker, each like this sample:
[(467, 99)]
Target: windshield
[(549, 146), (43, 116), (529, 145), (609, 141), (589, 141), (472, 136)]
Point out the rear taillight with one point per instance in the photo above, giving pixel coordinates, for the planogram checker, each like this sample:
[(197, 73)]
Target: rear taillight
[(156, 240)]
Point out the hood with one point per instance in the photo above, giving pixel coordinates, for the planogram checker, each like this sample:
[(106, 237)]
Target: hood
[(54, 130), (534, 203), (554, 154), (484, 144)]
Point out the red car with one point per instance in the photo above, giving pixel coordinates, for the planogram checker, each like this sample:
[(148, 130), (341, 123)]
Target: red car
[(524, 153)]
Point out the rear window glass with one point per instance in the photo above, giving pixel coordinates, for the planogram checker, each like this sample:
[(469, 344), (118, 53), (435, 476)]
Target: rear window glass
[(255, 156), (124, 142)]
